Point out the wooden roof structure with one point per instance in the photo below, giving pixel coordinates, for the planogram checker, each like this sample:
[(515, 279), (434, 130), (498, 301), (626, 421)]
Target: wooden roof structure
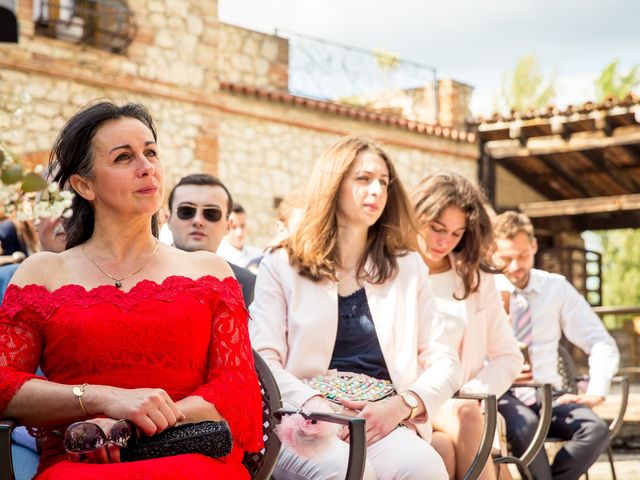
[(584, 160)]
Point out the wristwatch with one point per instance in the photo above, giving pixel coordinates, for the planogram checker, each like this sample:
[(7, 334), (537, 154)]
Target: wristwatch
[(412, 401)]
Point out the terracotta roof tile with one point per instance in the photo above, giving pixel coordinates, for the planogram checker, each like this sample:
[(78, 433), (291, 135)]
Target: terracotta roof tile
[(349, 111), (629, 101)]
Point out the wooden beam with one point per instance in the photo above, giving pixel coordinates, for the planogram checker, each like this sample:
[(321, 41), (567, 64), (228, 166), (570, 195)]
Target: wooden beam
[(534, 181), (556, 145), (598, 158), (567, 175), (593, 221), (582, 206)]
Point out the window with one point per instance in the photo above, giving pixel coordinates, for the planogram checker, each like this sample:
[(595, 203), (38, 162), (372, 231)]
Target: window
[(106, 24)]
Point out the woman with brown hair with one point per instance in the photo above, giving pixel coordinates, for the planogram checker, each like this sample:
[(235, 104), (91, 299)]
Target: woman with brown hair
[(346, 293), (456, 243)]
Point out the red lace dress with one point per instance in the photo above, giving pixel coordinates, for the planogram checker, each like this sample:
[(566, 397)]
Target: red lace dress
[(186, 336)]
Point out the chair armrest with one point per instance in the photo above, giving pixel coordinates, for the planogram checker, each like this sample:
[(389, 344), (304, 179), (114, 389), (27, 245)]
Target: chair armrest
[(357, 437), (546, 409), (616, 423), (6, 463), (490, 420)]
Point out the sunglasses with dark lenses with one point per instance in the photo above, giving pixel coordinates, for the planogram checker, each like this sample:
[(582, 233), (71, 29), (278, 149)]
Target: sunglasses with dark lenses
[(85, 437), (187, 212)]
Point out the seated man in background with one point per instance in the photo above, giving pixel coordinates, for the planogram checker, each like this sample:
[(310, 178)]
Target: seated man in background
[(199, 209), (543, 306)]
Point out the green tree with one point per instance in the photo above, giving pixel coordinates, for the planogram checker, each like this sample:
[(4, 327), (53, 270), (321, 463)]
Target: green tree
[(620, 270), (525, 87), (613, 83)]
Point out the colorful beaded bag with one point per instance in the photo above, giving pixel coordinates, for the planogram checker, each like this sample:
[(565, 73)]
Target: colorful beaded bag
[(336, 386)]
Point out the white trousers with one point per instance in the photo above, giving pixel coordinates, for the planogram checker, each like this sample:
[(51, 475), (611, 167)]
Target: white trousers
[(401, 455)]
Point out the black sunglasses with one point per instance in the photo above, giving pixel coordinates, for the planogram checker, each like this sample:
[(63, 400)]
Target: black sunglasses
[(187, 212)]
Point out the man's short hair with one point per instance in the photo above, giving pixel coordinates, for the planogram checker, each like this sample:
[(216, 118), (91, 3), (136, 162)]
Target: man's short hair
[(509, 224), (237, 208), (203, 179)]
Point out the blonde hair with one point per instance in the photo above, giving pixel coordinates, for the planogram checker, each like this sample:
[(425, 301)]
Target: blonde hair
[(511, 223), (313, 247), (473, 253)]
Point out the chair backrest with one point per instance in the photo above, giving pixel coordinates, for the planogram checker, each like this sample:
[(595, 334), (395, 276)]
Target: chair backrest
[(567, 370), (262, 463)]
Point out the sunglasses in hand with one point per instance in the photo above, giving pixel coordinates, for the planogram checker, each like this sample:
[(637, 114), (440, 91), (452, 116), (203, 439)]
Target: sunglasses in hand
[(81, 438), (187, 212)]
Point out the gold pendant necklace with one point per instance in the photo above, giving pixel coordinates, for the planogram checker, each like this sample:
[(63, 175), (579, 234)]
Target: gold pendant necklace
[(118, 281)]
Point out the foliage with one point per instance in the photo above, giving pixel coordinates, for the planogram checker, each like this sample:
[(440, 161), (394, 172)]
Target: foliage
[(613, 83), (386, 60), (525, 87), (620, 270), (24, 193)]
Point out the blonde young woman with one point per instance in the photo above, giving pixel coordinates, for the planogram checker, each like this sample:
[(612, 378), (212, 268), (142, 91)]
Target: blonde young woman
[(346, 292), (456, 242)]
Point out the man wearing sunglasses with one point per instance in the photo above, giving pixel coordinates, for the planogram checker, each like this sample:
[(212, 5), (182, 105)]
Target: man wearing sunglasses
[(199, 209)]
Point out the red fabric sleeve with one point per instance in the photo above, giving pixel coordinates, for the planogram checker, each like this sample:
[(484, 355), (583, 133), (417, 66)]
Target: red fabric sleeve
[(232, 384), (20, 340)]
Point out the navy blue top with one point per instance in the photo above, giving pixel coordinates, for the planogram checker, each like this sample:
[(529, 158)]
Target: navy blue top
[(357, 348), (9, 238)]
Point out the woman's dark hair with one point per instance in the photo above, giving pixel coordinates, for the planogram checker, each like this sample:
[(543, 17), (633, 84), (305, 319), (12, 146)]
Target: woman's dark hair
[(72, 153)]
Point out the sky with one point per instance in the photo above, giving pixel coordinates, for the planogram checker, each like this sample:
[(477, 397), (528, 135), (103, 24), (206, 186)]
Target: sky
[(473, 41)]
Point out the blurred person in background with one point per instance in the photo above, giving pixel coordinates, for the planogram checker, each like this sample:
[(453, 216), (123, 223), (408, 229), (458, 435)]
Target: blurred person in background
[(234, 247)]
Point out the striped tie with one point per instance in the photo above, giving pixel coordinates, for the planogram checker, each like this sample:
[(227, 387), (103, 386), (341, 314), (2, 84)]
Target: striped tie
[(521, 318), (521, 321)]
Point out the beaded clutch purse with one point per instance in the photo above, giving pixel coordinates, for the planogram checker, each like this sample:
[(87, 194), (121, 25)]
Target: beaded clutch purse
[(336, 386), (210, 438)]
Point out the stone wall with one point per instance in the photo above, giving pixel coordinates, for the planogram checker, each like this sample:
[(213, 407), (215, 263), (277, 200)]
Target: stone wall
[(268, 149), (52, 101), (453, 105), (253, 58), (176, 46), (260, 147)]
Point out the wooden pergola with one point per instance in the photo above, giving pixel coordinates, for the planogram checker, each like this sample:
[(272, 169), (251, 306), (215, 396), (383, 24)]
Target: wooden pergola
[(585, 161)]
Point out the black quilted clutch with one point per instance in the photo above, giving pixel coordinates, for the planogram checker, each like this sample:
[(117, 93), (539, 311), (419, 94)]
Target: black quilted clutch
[(207, 438)]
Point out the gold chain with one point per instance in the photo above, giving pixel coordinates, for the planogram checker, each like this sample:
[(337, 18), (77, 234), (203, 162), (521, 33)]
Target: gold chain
[(118, 281)]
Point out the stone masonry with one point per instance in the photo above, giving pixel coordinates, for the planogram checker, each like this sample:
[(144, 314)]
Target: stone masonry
[(261, 148)]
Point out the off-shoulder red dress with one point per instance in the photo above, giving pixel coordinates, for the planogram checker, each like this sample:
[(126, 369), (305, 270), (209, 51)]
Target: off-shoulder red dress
[(186, 336)]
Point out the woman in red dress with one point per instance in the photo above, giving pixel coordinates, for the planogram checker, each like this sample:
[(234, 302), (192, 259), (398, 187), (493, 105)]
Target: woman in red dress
[(143, 331)]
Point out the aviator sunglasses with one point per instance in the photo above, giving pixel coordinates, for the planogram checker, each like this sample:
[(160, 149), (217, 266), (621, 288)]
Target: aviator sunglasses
[(84, 437), (187, 212)]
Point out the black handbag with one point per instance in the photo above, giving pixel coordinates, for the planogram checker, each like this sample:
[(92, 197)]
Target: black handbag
[(209, 438)]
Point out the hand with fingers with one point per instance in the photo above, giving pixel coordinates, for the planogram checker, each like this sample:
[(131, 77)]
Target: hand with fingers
[(581, 399), (150, 409), (382, 416)]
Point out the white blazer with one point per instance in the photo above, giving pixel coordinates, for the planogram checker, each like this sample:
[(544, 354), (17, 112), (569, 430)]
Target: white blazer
[(489, 353), (295, 320)]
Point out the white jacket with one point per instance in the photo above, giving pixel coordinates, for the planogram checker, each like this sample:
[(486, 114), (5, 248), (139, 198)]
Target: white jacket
[(489, 354), (295, 320)]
